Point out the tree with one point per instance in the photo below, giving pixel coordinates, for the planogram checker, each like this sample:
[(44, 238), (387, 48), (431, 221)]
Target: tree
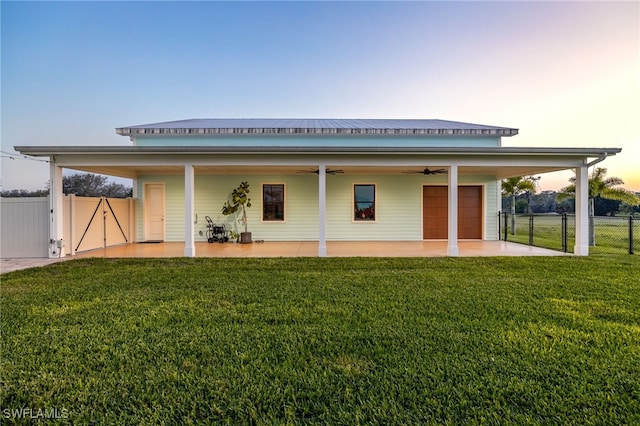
[(600, 187), (605, 206), (515, 186), (565, 206), (543, 202), (630, 210), (239, 200), (92, 185)]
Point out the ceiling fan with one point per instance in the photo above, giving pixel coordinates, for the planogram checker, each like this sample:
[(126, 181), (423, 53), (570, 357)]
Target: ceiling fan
[(317, 171), (427, 171)]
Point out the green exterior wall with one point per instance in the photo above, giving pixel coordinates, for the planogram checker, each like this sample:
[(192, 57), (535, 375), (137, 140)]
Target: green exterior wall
[(319, 140), (398, 206)]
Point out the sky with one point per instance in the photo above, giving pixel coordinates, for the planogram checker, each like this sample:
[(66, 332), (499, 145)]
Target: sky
[(566, 74)]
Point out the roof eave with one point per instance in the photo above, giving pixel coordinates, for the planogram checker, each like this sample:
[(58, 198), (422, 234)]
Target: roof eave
[(176, 150)]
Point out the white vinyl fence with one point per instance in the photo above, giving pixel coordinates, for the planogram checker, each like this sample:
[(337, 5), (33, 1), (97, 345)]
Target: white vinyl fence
[(24, 230)]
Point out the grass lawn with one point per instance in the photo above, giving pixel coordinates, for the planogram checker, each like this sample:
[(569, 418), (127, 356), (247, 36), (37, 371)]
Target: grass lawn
[(334, 341)]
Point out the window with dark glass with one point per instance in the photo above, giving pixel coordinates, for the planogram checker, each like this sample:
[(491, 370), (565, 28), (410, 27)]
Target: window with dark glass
[(364, 200), (272, 202)]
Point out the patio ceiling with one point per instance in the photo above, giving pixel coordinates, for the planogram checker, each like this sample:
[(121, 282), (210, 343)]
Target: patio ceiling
[(133, 172)]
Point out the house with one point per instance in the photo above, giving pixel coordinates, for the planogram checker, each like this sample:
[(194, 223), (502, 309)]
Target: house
[(321, 180)]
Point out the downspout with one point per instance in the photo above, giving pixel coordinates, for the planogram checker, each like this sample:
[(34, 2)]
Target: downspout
[(602, 157)]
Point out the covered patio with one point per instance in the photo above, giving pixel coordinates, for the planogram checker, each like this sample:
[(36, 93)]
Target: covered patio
[(334, 249), (211, 162), (414, 177)]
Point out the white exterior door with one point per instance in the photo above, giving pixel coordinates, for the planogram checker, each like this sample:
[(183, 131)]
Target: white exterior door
[(154, 210)]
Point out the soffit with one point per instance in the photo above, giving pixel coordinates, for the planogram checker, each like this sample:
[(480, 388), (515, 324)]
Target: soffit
[(134, 172), (132, 162)]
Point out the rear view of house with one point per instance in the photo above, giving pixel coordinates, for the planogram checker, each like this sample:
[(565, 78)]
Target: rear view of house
[(322, 180)]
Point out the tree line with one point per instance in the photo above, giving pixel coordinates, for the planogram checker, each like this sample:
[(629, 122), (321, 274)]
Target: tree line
[(548, 202), (81, 184), (606, 198)]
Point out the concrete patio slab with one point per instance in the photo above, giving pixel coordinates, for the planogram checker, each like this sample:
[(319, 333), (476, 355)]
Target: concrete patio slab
[(297, 249), (334, 249)]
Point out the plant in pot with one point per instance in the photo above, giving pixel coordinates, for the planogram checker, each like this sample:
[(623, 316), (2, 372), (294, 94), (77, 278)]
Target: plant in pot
[(239, 201), (234, 236)]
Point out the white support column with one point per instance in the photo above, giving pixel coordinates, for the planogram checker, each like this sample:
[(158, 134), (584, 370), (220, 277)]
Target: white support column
[(452, 245), (73, 238), (133, 206), (498, 209), (132, 235), (56, 209), (322, 210), (189, 211), (581, 247)]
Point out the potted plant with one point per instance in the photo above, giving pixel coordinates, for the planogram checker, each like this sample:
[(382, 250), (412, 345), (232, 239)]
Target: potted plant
[(234, 236), (239, 201)]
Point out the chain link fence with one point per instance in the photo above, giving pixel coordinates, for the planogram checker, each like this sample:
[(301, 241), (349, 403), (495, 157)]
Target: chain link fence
[(557, 232)]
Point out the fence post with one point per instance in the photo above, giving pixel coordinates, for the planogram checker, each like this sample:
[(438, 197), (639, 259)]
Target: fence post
[(506, 227), (499, 225), (530, 229), (631, 234), (564, 232)]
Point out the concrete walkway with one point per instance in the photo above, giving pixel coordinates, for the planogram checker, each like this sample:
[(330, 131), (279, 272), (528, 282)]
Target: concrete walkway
[(9, 265)]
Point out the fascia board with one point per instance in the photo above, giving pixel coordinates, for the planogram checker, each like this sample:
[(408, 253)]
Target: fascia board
[(163, 150)]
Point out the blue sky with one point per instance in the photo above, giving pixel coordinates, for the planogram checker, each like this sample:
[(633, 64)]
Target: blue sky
[(565, 74)]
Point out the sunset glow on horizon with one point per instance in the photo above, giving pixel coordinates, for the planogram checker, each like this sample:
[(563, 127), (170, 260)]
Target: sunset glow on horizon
[(566, 74)]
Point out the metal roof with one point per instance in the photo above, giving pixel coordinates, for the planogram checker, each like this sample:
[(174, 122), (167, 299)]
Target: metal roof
[(278, 126)]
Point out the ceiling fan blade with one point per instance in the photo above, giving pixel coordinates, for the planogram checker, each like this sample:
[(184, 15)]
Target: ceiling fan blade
[(427, 171), (317, 171), (439, 171)]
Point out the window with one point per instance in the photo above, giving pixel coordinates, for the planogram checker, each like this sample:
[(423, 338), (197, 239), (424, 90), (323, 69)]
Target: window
[(273, 202), (364, 202)]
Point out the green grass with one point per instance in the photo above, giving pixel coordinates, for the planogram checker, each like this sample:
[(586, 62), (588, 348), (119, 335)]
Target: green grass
[(611, 234), (331, 341)]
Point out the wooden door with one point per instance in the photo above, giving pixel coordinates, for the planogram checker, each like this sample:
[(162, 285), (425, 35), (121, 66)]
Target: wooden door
[(154, 205), (435, 212), (470, 212), (435, 216)]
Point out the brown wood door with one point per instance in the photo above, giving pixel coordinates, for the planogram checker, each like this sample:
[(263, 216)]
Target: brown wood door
[(435, 211), (435, 216), (469, 212)]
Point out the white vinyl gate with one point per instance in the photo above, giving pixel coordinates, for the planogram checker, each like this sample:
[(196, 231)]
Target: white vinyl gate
[(97, 222), (24, 230)]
